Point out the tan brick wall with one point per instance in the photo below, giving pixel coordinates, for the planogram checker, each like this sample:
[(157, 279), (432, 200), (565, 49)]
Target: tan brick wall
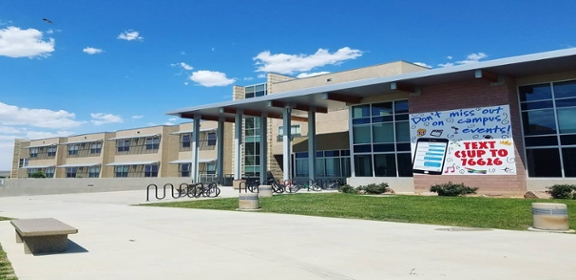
[(381, 70), (469, 94)]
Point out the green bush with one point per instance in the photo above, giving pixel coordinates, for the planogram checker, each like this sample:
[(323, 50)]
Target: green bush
[(374, 188), (347, 189), (38, 174), (451, 189), (563, 191)]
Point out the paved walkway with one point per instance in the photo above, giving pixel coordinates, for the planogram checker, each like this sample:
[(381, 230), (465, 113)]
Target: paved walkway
[(118, 241)]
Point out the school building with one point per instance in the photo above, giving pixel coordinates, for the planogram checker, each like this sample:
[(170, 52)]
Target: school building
[(505, 125)]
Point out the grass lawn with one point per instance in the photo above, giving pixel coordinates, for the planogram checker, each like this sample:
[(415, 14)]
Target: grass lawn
[(482, 212), (6, 271)]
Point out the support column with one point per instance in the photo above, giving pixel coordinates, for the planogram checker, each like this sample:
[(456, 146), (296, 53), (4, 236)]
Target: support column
[(194, 170), (263, 148), (238, 146), (220, 151), (351, 143), (312, 143), (287, 143)]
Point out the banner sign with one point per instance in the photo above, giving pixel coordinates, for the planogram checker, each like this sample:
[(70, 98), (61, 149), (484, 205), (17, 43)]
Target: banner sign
[(473, 141)]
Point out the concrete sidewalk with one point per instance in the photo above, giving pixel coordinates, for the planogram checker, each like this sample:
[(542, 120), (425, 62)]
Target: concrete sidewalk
[(118, 241)]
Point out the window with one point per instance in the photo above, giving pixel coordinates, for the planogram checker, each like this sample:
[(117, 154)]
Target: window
[(94, 171), (184, 170), (121, 171), (255, 91), (72, 150), (151, 170), (330, 164), (152, 143), (51, 151), (95, 148), (294, 130), (211, 139), (211, 168), (185, 140), (23, 162), (548, 111), (71, 172), (123, 145), (33, 152), (381, 139), (49, 173), (32, 171)]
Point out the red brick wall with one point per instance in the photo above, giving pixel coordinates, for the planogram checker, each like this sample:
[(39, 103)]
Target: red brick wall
[(470, 94)]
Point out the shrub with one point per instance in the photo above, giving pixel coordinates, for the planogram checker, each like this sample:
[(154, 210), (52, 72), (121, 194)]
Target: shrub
[(347, 189), (563, 191), (38, 174), (374, 188), (451, 189)]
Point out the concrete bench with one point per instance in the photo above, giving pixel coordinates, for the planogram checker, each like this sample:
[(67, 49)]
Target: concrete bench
[(42, 235)]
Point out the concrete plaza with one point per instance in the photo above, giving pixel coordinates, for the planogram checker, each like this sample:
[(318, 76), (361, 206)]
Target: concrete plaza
[(119, 241)]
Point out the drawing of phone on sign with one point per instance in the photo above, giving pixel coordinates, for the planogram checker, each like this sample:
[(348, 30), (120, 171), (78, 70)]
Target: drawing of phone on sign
[(429, 155)]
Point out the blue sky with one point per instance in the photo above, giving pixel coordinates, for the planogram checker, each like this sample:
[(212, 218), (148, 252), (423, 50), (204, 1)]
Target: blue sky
[(108, 65)]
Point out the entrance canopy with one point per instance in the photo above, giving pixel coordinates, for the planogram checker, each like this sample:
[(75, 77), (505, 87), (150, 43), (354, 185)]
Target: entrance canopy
[(333, 96)]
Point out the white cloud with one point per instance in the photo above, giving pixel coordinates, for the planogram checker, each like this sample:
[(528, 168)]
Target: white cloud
[(248, 79), (49, 31), (182, 65), (211, 78), (423, 64), (5, 22), (289, 63), (130, 35), (168, 123), (449, 57), (15, 42), (172, 119), (471, 58), (102, 118), (9, 130), (13, 115), (305, 75), (185, 83), (137, 117), (261, 76), (90, 50)]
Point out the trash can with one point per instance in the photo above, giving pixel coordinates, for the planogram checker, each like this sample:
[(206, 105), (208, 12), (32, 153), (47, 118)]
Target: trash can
[(550, 216), (248, 201), (265, 191)]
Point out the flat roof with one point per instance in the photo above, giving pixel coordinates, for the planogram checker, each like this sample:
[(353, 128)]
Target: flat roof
[(517, 66)]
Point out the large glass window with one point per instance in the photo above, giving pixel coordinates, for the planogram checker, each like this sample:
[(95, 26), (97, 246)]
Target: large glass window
[(381, 139), (51, 152), (71, 172), (73, 150), (184, 169), (96, 148), (549, 123), (49, 173), (121, 171), (123, 145), (152, 143), (151, 170), (329, 164), (94, 171), (211, 138), (33, 152)]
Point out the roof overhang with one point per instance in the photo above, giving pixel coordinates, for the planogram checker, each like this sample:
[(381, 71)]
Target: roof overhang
[(334, 96), (37, 166), (41, 146), (190, 161), (81, 142), (131, 163), (78, 164), (135, 136), (190, 131)]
